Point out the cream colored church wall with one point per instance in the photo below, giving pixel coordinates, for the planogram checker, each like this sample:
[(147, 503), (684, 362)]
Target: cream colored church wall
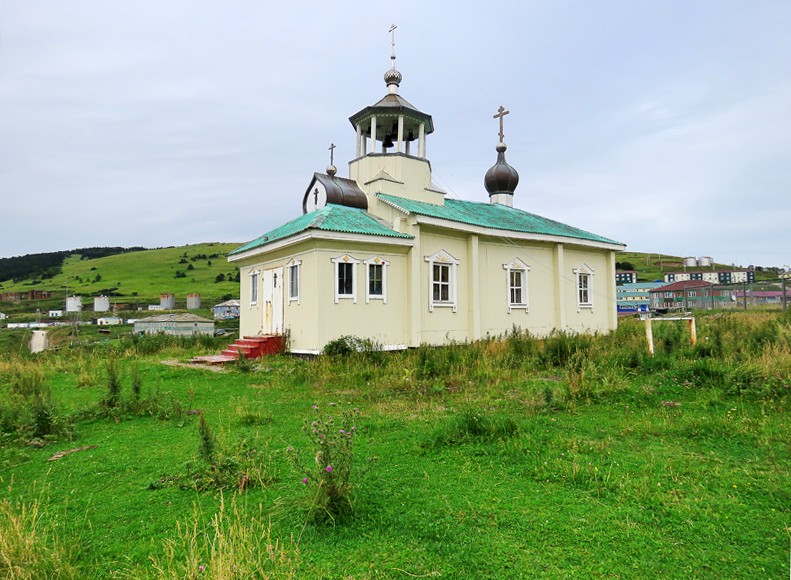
[(598, 318), (249, 314), (299, 315), (315, 318), (384, 323), (443, 325), (539, 318)]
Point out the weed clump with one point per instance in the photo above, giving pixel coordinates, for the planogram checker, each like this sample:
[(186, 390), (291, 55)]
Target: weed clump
[(27, 411), (473, 425), (331, 434), (221, 467)]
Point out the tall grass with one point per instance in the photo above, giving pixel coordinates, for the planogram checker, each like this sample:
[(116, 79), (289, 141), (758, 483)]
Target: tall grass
[(232, 545), (27, 550), (736, 353), (26, 407)]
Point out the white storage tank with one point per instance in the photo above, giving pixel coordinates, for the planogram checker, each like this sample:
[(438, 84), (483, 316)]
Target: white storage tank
[(705, 261), (690, 262), (193, 301), (167, 301), (74, 304), (101, 304)]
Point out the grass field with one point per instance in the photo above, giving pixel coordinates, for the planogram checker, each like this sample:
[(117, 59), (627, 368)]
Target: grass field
[(143, 275), (510, 458)]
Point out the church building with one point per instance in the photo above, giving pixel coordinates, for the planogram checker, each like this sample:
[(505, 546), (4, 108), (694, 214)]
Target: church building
[(386, 255)]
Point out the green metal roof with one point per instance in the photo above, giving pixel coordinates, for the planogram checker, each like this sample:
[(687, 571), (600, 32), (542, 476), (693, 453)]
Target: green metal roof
[(491, 215), (330, 218)]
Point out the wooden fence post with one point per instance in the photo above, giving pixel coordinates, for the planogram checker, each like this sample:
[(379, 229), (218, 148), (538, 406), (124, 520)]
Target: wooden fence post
[(693, 332), (649, 336)]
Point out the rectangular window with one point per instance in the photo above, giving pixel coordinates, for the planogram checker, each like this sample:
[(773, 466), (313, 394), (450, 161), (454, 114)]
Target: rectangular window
[(293, 282), (516, 286), (253, 288), (375, 287), (345, 279), (584, 289), (441, 282)]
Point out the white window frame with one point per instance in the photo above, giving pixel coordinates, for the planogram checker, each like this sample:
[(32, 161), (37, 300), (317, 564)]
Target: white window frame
[(584, 272), (443, 258), (376, 261), (516, 265), (293, 265), (345, 259), (255, 277)]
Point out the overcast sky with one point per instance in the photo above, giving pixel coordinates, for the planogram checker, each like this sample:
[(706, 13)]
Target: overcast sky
[(665, 125)]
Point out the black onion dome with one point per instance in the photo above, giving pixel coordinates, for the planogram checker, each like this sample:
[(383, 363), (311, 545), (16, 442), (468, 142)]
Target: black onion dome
[(501, 177)]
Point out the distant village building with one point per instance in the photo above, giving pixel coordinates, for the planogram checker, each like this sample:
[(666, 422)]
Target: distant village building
[(29, 295), (74, 304), (763, 296), (632, 298), (174, 324), (101, 304), (3, 316), (55, 313), (625, 276), (193, 301), (388, 255), (722, 277), (167, 301), (225, 310), (109, 321), (690, 294)]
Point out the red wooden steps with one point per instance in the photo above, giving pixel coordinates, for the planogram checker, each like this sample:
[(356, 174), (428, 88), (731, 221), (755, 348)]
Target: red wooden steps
[(249, 347)]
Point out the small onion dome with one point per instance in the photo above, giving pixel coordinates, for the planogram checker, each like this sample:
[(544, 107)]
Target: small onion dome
[(501, 177), (332, 170), (393, 77)]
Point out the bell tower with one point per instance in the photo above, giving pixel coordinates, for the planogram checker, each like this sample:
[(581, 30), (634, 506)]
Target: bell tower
[(390, 151)]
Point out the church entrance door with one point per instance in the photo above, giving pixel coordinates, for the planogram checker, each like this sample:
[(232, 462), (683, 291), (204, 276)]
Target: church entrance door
[(273, 301)]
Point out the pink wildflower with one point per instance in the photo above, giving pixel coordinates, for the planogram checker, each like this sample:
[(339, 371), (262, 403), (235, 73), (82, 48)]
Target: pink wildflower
[(305, 480), (329, 469)]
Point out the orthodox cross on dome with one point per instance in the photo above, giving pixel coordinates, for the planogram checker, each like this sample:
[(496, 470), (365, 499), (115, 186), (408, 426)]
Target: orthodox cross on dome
[(332, 153), (392, 42), (501, 112)]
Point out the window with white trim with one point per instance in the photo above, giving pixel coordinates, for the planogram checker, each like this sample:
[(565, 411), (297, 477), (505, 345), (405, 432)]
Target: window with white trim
[(442, 280), (345, 277), (292, 267), (584, 286), (376, 279), (254, 287), (516, 279)]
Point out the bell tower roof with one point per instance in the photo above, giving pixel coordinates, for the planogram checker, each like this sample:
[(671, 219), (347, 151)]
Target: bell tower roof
[(392, 106)]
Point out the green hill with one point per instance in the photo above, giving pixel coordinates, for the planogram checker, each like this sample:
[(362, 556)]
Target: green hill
[(652, 266), (141, 276)]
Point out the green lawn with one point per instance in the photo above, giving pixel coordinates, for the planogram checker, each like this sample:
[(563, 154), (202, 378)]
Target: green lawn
[(646, 469)]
